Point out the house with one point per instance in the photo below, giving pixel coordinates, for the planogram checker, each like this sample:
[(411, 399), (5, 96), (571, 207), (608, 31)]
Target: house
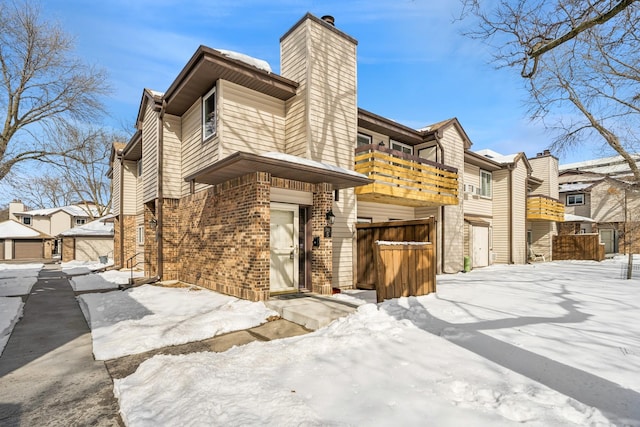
[(88, 242), (600, 197), (18, 241), (252, 183), (53, 221)]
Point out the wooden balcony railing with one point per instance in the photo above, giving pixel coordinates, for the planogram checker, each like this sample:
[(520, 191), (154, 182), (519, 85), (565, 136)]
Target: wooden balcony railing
[(544, 208), (403, 179)]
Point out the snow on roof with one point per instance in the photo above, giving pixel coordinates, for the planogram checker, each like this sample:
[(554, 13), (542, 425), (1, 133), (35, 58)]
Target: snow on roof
[(313, 163), (577, 218), (564, 188), (254, 62), (612, 164), (99, 227), (73, 210), (11, 229), (493, 155)]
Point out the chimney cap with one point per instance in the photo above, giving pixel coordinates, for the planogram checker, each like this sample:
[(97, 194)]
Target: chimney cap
[(329, 20)]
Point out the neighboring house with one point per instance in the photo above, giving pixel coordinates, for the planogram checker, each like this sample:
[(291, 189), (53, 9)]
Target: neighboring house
[(600, 198), (18, 241), (88, 242), (53, 221), (251, 183)]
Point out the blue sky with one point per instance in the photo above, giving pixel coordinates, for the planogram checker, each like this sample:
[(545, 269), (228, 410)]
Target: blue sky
[(414, 66)]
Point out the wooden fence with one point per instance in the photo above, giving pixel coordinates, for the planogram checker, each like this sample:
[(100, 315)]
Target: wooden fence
[(422, 230), (404, 269), (578, 246)]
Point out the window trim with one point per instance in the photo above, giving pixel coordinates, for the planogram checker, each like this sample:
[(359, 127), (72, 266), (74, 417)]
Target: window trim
[(581, 203), (481, 187), (364, 135), (81, 221), (211, 93), (401, 144), (140, 235)]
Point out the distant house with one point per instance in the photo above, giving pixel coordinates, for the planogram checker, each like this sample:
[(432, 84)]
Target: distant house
[(53, 221), (18, 241), (88, 242), (599, 197)]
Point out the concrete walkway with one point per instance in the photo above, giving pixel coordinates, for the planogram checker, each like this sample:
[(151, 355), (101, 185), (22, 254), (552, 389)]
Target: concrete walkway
[(48, 376)]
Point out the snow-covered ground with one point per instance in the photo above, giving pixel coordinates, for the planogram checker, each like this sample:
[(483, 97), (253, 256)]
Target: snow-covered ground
[(15, 279), (18, 279), (149, 317), (83, 277), (548, 344)]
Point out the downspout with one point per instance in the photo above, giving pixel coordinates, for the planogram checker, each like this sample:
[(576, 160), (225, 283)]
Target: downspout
[(121, 210), (159, 213), (436, 137), (510, 210)]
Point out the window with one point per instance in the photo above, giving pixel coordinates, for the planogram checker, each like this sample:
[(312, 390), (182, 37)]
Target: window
[(485, 183), (26, 220), (209, 114), (399, 146), (575, 199), (364, 220), (139, 168), (81, 221), (364, 139), (140, 235)]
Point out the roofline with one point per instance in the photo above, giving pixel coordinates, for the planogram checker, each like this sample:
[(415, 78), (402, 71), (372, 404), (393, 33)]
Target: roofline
[(310, 16)]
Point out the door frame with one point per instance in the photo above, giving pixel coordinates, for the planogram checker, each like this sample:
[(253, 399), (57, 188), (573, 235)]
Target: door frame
[(288, 207)]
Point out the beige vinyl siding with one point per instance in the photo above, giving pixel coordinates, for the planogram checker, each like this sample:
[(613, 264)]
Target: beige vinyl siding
[(473, 203), (172, 158), (519, 208), (196, 154), (332, 107), (149, 154), (546, 169), (542, 233), (342, 236), (252, 122), (42, 223), (91, 248), (132, 188), (293, 59), (115, 186), (453, 239), (60, 221), (380, 212), (501, 210), (608, 200), (139, 203)]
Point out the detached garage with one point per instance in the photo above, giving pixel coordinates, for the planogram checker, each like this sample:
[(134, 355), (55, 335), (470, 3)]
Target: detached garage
[(90, 242), (18, 241)]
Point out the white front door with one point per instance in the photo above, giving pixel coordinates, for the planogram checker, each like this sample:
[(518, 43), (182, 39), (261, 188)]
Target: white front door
[(284, 247), (480, 236)]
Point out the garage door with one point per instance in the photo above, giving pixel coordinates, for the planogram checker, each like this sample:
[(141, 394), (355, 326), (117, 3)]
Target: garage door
[(24, 249)]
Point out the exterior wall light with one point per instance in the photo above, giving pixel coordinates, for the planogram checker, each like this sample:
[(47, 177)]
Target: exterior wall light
[(153, 223), (331, 218)]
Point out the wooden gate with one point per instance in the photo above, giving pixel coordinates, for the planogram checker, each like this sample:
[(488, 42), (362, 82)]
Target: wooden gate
[(405, 258), (578, 246)]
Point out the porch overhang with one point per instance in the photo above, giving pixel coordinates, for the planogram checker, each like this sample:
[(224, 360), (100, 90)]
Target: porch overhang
[(280, 166)]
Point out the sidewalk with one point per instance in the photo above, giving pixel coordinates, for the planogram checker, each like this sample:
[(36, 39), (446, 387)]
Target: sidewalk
[(47, 372)]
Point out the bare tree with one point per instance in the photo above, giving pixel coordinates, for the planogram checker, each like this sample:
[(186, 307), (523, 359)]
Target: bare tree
[(80, 177), (42, 85), (580, 62)]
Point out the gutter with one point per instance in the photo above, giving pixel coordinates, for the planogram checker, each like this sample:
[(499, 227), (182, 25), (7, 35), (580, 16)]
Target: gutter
[(510, 210)]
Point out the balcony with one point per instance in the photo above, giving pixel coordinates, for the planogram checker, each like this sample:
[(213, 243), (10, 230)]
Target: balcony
[(403, 179), (544, 208)]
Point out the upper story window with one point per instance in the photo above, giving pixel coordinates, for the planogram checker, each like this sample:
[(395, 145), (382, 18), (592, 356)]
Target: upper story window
[(81, 221), (364, 139), (209, 114), (139, 168), (26, 220), (399, 146), (485, 183), (575, 199)]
